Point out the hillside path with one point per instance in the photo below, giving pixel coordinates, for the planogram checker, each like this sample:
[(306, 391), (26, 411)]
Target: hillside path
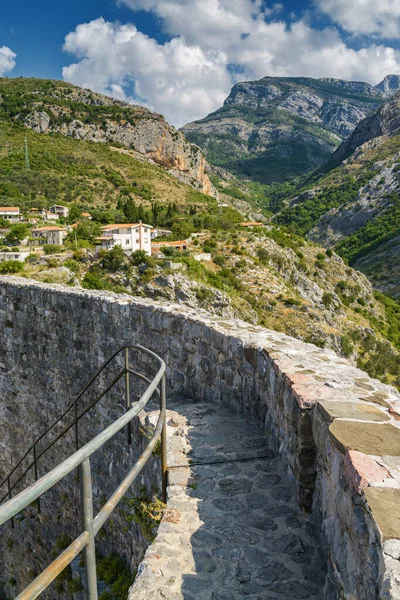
[(232, 529)]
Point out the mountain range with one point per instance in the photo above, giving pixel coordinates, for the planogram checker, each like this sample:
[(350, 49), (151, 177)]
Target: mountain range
[(278, 128)]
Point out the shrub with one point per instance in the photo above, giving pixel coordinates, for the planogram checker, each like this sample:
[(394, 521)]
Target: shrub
[(52, 249), (220, 260), (327, 299), (94, 280), (293, 302), (73, 265), (347, 346), (329, 253), (11, 266), (263, 254), (114, 260), (139, 257)]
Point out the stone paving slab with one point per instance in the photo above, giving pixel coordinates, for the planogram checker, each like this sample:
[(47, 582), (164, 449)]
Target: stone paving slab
[(232, 528)]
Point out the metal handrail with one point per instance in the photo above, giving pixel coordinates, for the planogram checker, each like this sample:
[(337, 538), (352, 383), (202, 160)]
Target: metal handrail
[(60, 418), (81, 459)]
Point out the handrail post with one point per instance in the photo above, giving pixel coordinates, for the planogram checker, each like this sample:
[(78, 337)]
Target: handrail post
[(76, 425), (36, 473), (9, 497), (163, 407), (87, 517), (127, 395)]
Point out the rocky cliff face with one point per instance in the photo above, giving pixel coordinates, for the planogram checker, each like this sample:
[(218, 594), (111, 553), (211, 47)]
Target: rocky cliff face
[(276, 128), (389, 85), (82, 114), (355, 207), (384, 122)]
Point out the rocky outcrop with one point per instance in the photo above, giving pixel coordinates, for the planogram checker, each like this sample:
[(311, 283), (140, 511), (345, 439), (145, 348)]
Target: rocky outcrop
[(290, 125), (86, 115), (365, 207), (389, 85), (384, 122), (372, 199)]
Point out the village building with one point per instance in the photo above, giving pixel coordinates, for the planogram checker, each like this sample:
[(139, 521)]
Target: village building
[(156, 233), (19, 255), (50, 234), (86, 215), (61, 211), (180, 246), (51, 216), (132, 237), (10, 213)]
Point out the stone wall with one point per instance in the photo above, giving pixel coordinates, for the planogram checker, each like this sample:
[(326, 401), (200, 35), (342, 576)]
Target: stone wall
[(338, 431)]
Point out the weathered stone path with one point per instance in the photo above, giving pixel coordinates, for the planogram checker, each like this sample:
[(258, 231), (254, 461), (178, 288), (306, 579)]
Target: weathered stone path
[(232, 529)]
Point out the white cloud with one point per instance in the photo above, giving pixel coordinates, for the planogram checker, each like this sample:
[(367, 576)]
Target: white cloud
[(7, 60), (370, 17), (179, 80), (190, 75)]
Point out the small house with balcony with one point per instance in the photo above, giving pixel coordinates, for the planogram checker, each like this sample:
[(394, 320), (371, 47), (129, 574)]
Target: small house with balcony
[(60, 211), (132, 237)]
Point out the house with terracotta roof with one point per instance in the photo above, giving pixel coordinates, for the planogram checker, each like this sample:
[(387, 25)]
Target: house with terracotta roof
[(131, 236), (10, 213), (50, 234), (86, 215)]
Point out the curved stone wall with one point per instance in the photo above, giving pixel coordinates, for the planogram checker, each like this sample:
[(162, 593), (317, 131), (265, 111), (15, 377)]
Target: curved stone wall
[(338, 431)]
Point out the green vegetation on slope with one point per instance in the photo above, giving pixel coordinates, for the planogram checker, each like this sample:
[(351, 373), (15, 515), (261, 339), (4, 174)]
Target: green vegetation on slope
[(302, 216), (19, 97), (375, 233), (65, 170)]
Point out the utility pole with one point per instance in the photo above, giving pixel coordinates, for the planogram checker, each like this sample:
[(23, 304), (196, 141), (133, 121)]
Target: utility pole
[(27, 163)]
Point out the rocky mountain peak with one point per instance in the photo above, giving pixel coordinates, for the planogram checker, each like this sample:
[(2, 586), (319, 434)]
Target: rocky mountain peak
[(277, 128), (384, 122), (389, 85)]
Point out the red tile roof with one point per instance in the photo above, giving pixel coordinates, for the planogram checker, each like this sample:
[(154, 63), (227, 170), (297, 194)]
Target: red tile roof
[(49, 228)]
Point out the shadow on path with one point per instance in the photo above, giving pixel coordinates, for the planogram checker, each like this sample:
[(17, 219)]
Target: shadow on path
[(234, 527)]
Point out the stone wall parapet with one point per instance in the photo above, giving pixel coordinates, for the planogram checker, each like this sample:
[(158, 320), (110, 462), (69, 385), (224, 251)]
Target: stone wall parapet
[(337, 429)]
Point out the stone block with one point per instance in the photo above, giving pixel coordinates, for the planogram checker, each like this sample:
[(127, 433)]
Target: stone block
[(385, 506), (370, 438), (362, 470)]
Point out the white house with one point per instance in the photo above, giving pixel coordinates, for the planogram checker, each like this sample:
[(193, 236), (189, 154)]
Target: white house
[(10, 213), (132, 237), (61, 211), (51, 216), (21, 256), (51, 234)]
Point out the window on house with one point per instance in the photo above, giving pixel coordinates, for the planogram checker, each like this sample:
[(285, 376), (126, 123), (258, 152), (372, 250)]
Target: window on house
[(127, 242)]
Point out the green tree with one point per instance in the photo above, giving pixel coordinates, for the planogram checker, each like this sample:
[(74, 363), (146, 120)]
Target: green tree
[(75, 213), (17, 233), (114, 260)]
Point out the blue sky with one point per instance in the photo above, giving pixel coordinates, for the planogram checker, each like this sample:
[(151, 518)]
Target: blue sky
[(181, 57)]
